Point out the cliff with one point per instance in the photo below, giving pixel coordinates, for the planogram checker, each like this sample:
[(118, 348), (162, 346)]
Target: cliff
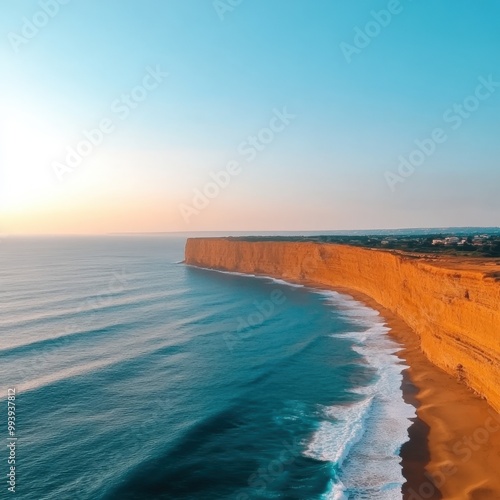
[(453, 304)]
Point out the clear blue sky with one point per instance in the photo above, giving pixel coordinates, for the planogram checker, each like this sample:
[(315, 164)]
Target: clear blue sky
[(326, 170)]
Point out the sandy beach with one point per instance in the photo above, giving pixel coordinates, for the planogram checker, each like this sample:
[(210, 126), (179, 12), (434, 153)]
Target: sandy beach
[(454, 447)]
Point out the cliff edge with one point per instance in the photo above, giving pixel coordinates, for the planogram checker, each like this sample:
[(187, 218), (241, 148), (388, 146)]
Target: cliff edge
[(453, 304)]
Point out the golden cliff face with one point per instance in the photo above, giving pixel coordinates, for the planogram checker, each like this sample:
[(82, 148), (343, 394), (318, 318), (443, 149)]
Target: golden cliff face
[(452, 304)]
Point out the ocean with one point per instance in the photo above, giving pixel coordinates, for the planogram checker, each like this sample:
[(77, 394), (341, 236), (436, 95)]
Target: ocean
[(138, 377)]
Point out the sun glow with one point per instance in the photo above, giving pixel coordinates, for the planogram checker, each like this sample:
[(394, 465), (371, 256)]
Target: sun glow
[(27, 148)]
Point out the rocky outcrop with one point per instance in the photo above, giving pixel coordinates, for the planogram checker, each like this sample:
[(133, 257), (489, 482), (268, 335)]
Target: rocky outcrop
[(452, 305)]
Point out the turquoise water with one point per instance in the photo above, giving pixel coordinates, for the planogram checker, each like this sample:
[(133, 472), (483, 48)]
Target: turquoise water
[(138, 377)]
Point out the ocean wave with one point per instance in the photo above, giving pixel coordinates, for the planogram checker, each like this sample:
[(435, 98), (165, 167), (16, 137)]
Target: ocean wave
[(78, 324), (362, 441), (43, 345), (344, 426), (83, 304), (92, 367)]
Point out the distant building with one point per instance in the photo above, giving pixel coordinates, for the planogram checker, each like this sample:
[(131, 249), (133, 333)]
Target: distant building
[(438, 242), (452, 240)]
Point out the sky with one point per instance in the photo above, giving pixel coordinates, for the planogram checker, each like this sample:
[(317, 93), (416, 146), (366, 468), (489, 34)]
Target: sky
[(248, 115)]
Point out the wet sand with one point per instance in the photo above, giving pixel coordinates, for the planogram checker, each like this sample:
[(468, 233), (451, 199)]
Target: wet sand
[(453, 450)]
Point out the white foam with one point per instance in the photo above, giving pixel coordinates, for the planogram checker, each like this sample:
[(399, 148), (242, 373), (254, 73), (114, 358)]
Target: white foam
[(335, 436), (337, 491), (283, 282), (249, 275), (362, 441)]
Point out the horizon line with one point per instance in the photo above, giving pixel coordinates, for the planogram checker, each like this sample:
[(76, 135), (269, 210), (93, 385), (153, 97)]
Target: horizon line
[(318, 231)]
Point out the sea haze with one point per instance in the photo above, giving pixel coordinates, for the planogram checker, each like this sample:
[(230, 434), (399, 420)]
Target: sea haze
[(139, 377)]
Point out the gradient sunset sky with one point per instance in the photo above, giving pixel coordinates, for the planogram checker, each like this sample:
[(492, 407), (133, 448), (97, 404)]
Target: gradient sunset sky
[(359, 102)]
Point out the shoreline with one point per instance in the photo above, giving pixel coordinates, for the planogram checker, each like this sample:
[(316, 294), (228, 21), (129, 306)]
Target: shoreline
[(450, 303), (447, 308), (453, 450)]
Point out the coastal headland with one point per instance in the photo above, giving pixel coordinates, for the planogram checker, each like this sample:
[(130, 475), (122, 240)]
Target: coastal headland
[(445, 310)]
